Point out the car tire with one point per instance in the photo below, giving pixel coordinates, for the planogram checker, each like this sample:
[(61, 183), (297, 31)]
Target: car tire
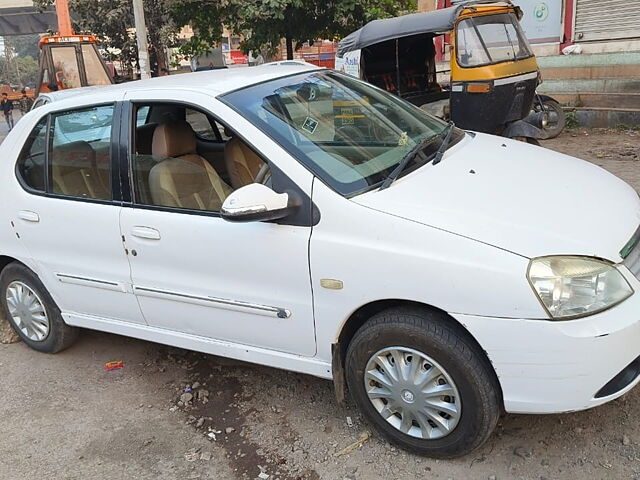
[(427, 338), (36, 319)]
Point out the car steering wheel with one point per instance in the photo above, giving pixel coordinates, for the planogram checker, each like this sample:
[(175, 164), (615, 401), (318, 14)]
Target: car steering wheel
[(264, 174)]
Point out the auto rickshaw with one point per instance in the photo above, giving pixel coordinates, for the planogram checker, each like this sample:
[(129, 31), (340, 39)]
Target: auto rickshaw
[(494, 73)]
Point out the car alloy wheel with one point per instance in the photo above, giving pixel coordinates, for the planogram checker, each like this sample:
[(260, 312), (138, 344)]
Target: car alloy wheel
[(27, 311), (412, 392)]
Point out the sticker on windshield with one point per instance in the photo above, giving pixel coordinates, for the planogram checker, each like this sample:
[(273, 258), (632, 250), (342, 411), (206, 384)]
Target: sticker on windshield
[(310, 125)]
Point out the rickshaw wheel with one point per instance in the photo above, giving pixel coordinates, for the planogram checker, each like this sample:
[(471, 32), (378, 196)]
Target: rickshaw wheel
[(529, 140)]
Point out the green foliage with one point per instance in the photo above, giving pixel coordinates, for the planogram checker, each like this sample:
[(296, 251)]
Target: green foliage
[(22, 72), (572, 120), (263, 23), (111, 22), (26, 45), (205, 18)]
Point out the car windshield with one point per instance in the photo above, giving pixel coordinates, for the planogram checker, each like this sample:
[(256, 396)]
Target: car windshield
[(350, 134), (490, 39)]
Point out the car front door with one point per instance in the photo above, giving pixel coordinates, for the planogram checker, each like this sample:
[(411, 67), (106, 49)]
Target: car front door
[(67, 215), (197, 274)]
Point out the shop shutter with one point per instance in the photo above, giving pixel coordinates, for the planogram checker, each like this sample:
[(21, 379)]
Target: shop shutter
[(606, 20)]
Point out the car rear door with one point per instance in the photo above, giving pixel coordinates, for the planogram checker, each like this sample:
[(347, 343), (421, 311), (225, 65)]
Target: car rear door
[(67, 213)]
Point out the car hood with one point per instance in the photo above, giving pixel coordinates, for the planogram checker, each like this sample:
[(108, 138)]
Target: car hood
[(525, 199)]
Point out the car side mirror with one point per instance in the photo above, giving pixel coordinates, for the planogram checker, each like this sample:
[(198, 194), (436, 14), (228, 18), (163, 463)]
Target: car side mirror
[(256, 203)]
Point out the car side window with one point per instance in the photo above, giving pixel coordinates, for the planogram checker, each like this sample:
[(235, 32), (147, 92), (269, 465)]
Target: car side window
[(31, 163), (38, 103), (80, 153), (142, 115), (200, 124), (224, 135), (168, 167)]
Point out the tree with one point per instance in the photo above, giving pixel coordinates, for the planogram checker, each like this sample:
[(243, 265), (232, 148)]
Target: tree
[(23, 71), (26, 45), (263, 23), (111, 22), (205, 18)]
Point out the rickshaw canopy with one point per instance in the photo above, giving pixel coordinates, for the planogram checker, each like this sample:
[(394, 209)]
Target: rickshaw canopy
[(437, 21)]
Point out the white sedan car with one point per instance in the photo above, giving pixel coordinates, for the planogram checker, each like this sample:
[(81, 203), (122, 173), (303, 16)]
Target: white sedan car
[(302, 219)]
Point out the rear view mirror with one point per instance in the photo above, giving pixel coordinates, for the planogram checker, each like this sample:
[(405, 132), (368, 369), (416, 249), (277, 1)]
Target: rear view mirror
[(255, 203)]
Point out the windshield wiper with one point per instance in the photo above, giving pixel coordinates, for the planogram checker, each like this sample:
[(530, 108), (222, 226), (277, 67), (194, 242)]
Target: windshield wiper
[(417, 150), (411, 154), (444, 144)]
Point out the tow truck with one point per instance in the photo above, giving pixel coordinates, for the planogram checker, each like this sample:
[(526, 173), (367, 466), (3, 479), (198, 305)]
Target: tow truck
[(70, 60)]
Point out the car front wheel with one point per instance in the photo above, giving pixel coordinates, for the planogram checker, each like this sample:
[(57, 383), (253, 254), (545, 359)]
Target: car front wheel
[(422, 383), (32, 312)]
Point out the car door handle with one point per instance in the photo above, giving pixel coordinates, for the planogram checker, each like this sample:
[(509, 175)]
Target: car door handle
[(29, 216), (145, 232)]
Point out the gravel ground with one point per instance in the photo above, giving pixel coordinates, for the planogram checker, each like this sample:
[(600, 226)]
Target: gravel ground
[(170, 413)]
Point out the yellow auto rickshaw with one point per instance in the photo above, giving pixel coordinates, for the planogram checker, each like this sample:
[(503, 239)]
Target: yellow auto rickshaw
[(494, 73)]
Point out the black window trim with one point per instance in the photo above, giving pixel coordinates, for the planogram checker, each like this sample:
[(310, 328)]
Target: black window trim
[(19, 177), (115, 187), (126, 167)]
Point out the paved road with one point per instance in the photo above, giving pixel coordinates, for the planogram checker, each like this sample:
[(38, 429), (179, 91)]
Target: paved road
[(64, 417)]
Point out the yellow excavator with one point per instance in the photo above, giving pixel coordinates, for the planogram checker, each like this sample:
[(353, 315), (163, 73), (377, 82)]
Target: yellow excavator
[(68, 60)]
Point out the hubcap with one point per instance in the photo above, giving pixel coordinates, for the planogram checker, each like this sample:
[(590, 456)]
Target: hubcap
[(412, 392), (27, 311)]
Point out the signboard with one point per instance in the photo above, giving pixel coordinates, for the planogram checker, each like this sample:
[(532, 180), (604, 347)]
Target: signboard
[(542, 20), (237, 57), (349, 64)]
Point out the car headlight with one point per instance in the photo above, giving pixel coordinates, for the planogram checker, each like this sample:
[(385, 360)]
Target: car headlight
[(572, 287)]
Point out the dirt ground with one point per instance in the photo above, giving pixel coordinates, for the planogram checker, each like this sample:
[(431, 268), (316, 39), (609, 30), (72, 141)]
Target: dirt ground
[(65, 417)]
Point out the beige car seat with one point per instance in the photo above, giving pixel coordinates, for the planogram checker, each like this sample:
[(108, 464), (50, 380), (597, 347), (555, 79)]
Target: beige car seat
[(184, 179), (242, 163), (75, 173)]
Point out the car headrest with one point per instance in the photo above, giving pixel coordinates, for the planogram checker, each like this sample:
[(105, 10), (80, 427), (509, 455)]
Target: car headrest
[(144, 138), (74, 154), (173, 140)]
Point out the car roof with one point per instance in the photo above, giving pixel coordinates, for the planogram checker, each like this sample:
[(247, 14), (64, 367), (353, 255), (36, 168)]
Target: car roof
[(67, 93), (213, 82)]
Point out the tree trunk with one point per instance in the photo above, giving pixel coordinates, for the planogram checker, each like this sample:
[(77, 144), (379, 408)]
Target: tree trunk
[(289, 48), (161, 58)]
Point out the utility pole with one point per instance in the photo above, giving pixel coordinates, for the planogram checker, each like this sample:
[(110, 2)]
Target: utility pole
[(141, 38), (12, 64)]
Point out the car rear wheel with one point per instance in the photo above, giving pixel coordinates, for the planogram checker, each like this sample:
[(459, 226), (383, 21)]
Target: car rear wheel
[(32, 312), (422, 383)]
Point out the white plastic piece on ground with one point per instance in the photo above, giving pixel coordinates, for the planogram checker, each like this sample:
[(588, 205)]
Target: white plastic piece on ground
[(572, 50)]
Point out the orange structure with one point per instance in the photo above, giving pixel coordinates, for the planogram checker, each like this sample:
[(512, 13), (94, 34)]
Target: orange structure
[(64, 19), (68, 60)]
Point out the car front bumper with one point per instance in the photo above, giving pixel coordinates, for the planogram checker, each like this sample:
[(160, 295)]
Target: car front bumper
[(548, 366)]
